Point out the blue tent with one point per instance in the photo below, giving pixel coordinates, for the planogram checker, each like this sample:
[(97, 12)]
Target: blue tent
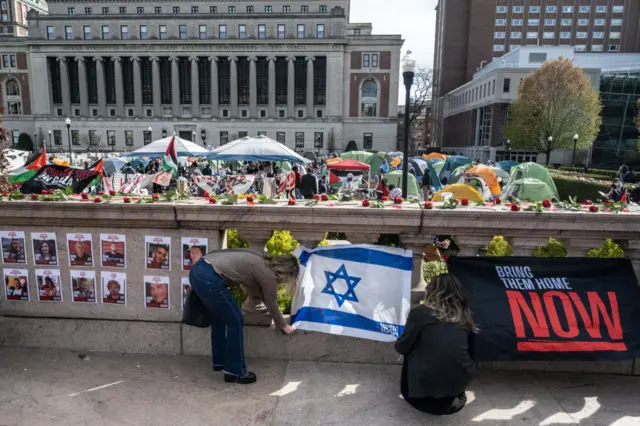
[(423, 167), (451, 163), (506, 165)]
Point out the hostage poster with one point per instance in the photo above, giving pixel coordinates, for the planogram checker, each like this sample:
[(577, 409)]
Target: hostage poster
[(13, 247), (83, 286), (114, 288), (113, 250), (80, 249), (158, 253), (156, 292), (192, 250), (45, 249), (52, 177), (552, 309), (49, 285), (16, 284)]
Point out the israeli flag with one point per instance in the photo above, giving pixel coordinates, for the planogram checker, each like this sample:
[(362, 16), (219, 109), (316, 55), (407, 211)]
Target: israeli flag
[(353, 290)]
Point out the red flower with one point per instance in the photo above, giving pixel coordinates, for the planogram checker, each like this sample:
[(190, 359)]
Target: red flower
[(384, 198), (593, 209), (212, 200), (97, 200), (588, 202), (4, 194), (515, 208), (497, 201), (112, 193), (84, 196), (607, 201), (324, 197), (44, 192), (316, 197), (546, 204), (34, 196), (127, 200), (398, 200), (292, 201), (464, 201), (206, 194), (428, 205), (101, 193), (250, 199), (365, 203), (155, 197)]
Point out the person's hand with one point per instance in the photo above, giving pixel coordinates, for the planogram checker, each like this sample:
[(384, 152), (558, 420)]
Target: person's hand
[(288, 329)]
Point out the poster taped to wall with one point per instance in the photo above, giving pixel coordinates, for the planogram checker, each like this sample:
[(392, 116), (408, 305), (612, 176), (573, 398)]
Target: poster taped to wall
[(158, 253), (114, 288), (45, 249), (83, 286), (113, 250), (186, 286), (13, 247), (192, 250), (80, 249), (16, 284), (156, 292), (49, 285)]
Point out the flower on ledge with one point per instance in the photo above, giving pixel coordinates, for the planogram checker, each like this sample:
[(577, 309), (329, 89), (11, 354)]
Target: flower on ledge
[(546, 204), (515, 208)]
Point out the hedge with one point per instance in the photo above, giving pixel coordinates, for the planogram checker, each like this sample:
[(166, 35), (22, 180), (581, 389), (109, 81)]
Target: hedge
[(602, 172), (582, 190)]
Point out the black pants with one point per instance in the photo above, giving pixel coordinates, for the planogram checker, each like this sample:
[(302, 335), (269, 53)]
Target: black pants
[(436, 406)]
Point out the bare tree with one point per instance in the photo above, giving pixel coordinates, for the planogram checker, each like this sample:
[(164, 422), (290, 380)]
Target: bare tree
[(420, 99), (91, 143)]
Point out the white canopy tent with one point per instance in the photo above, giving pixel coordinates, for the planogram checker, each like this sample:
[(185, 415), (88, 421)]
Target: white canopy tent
[(184, 148), (259, 148)]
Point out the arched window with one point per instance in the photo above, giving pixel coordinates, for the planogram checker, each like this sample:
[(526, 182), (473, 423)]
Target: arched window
[(369, 99), (12, 88)]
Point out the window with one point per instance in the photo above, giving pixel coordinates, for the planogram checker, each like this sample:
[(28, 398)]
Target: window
[(367, 141), (224, 137), (86, 31), (124, 32), (300, 30), (506, 85), (498, 48), (534, 22), (518, 9), (71, 10), (614, 48), (15, 135), (548, 35), (599, 22), (318, 140), (369, 99), (533, 35), (281, 137), (565, 35), (57, 137), (268, 9), (322, 8), (516, 22), (128, 137), (549, 22), (581, 34), (105, 32), (286, 9), (374, 60), (75, 137), (516, 34), (585, 9), (535, 57), (281, 31), (299, 139), (140, 10), (614, 35), (8, 61), (176, 9), (598, 34), (356, 31), (567, 9), (87, 11), (300, 113), (618, 9), (242, 31), (320, 31), (366, 60), (213, 9), (158, 10), (597, 48), (501, 22), (144, 35), (501, 9), (182, 30), (499, 35), (601, 9), (249, 9), (304, 9), (122, 10), (262, 31), (231, 10), (12, 88), (202, 31), (616, 22), (580, 48), (194, 9), (162, 29), (551, 9), (534, 9), (105, 10), (146, 137), (222, 31), (68, 32), (581, 22)]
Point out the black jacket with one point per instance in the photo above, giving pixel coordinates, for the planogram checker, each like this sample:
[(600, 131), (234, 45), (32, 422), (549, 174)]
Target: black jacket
[(309, 185), (437, 360)]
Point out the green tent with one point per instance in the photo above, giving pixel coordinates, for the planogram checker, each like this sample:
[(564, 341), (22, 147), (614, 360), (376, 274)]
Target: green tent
[(533, 171), (285, 166), (395, 178), (437, 165), (530, 189), (459, 172), (450, 164), (374, 160)]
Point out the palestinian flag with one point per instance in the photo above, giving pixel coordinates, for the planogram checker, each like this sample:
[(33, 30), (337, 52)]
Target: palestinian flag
[(336, 177), (170, 160), (34, 162), (97, 167)]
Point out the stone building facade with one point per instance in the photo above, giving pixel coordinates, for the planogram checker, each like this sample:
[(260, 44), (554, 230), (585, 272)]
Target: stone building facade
[(131, 72)]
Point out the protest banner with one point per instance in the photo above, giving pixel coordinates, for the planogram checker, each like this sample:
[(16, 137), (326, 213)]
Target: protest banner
[(552, 309), (52, 177), (228, 184), (353, 290)]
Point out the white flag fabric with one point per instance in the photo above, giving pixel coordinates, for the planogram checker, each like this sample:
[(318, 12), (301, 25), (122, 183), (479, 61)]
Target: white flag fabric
[(353, 290)]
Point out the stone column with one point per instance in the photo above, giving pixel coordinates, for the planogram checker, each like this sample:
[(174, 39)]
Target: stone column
[(579, 247), (310, 60), (155, 75), (253, 304), (470, 244), (272, 86), (137, 87), (195, 87), (632, 252), (234, 85), (309, 239), (117, 65), (84, 89), (102, 99), (175, 87), (291, 87), (64, 86), (416, 244), (253, 87), (524, 246), (215, 106)]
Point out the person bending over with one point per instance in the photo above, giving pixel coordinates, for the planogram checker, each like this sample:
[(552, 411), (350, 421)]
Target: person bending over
[(437, 347)]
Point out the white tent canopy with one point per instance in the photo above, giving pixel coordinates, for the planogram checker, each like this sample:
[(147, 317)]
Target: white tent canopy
[(259, 148), (184, 148)]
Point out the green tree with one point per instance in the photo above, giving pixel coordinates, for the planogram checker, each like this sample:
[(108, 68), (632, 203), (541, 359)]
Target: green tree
[(554, 103), (5, 185), (24, 142), (554, 248)]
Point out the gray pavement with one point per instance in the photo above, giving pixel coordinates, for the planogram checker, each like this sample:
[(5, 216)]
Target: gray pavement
[(53, 387)]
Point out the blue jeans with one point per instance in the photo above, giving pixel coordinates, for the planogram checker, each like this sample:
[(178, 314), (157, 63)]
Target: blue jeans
[(227, 346)]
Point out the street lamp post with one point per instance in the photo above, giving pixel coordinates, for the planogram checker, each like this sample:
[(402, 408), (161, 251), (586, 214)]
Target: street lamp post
[(408, 72), (193, 136), (35, 141), (68, 123), (575, 143), (50, 146), (203, 135), (150, 130), (550, 139)]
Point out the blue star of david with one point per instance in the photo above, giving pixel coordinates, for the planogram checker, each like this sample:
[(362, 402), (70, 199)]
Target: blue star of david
[(341, 274)]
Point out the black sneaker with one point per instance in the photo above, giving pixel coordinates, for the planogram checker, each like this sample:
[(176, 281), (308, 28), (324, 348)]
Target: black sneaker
[(244, 380), (218, 368)]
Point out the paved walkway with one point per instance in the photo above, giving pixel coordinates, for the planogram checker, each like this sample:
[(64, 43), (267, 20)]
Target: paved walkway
[(52, 388)]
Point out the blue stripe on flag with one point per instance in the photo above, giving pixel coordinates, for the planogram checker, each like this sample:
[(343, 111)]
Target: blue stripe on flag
[(304, 257), (361, 255), (345, 319)]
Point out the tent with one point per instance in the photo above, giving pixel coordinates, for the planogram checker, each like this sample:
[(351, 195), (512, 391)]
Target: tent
[(413, 188), (488, 176), (309, 155), (374, 160), (459, 172), (259, 148), (184, 148), (422, 167), (459, 191), (434, 155), (506, 165), (534, 171), (530, 189), (285, 166), (500, 173), (450, 164), (478, 183), (112, 165)]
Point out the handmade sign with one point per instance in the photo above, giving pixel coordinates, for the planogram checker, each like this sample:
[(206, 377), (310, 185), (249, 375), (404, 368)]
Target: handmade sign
[(52, 177), (226, 184)]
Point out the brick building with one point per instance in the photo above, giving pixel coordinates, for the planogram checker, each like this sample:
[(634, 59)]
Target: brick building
[(13, 16)]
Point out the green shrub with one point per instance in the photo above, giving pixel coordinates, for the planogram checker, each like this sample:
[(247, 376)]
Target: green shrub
[(238, 294), (582, 190), (499, 247), (610, 174), (284, 300), (610, 250), (281, 243), (432, 269), (554, 248), (234, 240)]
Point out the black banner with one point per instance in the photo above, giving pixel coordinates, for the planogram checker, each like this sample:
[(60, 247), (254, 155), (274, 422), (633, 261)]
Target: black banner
[(552, 309), (59, 177)]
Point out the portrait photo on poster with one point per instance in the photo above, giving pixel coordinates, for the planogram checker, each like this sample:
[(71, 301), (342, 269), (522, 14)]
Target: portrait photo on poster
[(156, 292), (83, 286), (80, 249), (192, 250), (49, 286), (186, 286), (114, 288), (16, 284), (13, 247), (158, 253), (45, 249), (113, 250)]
